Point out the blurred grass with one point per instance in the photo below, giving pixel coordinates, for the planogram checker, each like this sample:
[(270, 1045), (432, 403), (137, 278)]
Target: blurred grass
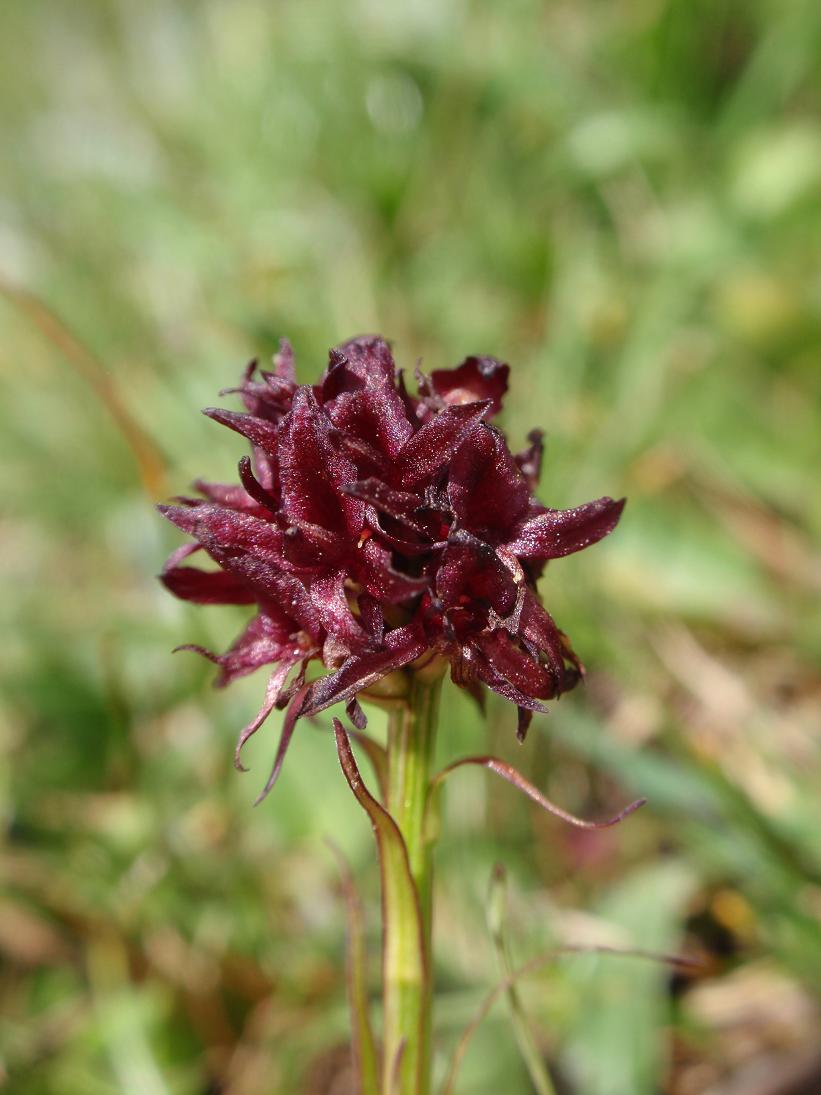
[(622, 200)]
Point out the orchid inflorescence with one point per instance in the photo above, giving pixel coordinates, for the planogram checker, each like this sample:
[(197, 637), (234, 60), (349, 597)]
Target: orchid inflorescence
[(375, 530)]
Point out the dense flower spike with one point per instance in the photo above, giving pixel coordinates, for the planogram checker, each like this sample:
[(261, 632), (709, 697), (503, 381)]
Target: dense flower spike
[(375, 530)]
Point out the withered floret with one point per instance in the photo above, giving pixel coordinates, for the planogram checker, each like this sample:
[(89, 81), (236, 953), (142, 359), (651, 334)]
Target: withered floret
[(373, 529)]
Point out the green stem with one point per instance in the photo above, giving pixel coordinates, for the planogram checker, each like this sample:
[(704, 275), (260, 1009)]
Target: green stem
[(411, 736)]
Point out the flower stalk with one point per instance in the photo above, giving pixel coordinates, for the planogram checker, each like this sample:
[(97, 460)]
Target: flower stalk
[(407, 1004)]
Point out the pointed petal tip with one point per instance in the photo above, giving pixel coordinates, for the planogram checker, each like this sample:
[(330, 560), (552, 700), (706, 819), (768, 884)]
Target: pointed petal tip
[(552, 534), (173, 513), (223, 416), (180, 516), (294, 712)]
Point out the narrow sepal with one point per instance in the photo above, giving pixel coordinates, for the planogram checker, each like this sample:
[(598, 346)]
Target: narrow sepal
[(288, 724), (516, 666), (259, 431), (311, 468), (272, 692), (558, 532), (203, 587), (435, 443), (284, 362), (487, 490)]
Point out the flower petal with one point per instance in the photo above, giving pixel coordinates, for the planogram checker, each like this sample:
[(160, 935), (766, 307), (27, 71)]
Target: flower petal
[(376, 415), (381, 580), (435, 443), (266, 639), (206, 587), (539, 628), (401, 505), (308, 547), (269, 398), (331, 602), (288, 724), (409, 548), (475, 379), (272, 693), (226, 494), (526, 674), (311, 468), (370, 613), (258, 430), (369, 357), (251, 549), (469, 570), (487, 490), (367, 459), (226, 533), (401, 646), (523, 721), (356, 714), (554, 532), (489, 675)]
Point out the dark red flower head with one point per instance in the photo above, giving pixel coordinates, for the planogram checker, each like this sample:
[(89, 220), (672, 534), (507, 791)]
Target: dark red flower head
[(373, 529)]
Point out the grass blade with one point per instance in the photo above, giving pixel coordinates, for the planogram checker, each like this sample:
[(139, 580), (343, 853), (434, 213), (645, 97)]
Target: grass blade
[(362, 1040), (536, 1067)]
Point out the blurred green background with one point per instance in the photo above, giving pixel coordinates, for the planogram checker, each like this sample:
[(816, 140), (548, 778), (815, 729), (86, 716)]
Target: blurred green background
[(622, 199)]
